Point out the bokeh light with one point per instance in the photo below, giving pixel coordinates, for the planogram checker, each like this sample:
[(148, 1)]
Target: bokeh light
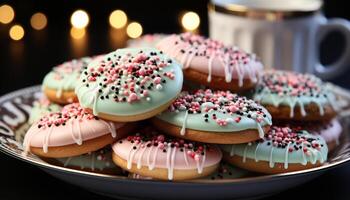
[(79, 19), (16, 32), (134, 30), (190, 21), (77, 33), (7, 14), (118, 19), (38, 21)]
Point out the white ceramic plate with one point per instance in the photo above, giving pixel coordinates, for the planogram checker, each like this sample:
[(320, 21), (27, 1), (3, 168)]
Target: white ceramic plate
[(14, 109)]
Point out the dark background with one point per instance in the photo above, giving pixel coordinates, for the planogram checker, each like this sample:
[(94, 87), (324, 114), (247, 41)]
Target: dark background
[(24, 63)]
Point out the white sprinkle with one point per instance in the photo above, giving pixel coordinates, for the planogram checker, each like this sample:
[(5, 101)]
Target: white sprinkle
[(159, 87), (229, 120)]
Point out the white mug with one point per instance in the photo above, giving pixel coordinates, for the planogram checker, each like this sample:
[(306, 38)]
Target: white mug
[(285, 34)]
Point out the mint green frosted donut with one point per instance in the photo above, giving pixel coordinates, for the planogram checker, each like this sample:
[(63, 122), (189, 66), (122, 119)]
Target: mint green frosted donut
[(42, 107), (293, 89), (129, 82), (64, 77), (216, 111), (282, 145)]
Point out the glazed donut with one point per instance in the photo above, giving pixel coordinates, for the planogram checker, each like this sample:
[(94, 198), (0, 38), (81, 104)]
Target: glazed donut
[(211, 63), (99, 161), (290, 95), (214, 117), (59, 84), (71, 132), (130, 84), (42, 107), (148, 40), (151, 154), (281, 150)]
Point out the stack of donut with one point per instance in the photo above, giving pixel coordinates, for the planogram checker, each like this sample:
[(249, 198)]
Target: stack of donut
[(176, 111)]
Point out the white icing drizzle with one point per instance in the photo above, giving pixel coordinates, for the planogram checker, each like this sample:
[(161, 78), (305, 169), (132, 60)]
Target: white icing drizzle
[(46, 140), (210, 66), (286, 160), (245, 154), (170, 158), (183, 129), (140, 157), (172, 164), (131, 155), (255, 152), (200, 166), (185, 156), (260, 130), (224, 58), (79, 139)]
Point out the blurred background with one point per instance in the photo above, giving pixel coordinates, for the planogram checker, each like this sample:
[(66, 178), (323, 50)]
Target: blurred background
[(37, 35)]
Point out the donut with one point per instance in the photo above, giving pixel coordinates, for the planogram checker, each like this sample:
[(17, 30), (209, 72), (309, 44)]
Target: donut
[(71, 132), (99, 161), (130, 84), (60, 82), (281, 150), (151, 154), (329, 131), (211, 63), (224, 171), (219, 117), (42, 107), (290, 95), (148, 40), (227, 171)]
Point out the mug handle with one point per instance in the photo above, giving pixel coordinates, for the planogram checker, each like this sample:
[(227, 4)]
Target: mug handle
[(340, 65)]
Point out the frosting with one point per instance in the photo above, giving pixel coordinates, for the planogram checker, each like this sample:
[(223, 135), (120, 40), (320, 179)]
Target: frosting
[(148, 40), (330, 131), (216, 111), (66, 75), (94, 161), (160, 151), (212, 57), (282, 145), (294, 90), (129, 81), (42, 107), (72, 125)]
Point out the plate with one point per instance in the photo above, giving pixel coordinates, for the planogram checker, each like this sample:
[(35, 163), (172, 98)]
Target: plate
[(14, 113)]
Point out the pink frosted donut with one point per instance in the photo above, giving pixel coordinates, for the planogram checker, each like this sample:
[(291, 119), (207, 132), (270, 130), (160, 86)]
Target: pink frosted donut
[(151, 154), (330, 132), (71, 132), (219, 63)]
